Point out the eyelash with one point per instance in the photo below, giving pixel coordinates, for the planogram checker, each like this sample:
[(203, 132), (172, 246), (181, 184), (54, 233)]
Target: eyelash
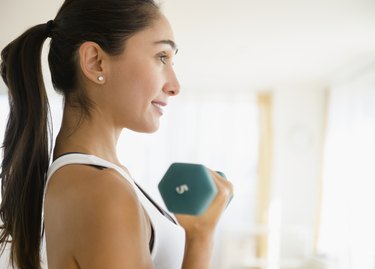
[(163, 58)]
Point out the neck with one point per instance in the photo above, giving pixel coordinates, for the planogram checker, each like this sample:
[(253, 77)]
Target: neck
[(94, 135)]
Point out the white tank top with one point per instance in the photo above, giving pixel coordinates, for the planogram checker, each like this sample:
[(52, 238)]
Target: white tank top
[(169, 238)]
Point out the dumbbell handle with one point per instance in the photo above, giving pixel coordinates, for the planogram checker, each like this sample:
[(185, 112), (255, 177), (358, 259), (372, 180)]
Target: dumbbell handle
[(221, 174)]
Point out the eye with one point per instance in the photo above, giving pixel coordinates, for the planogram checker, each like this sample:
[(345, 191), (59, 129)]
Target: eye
[(163, 58)]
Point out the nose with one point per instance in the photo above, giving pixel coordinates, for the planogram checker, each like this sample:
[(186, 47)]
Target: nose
[(172, 86)]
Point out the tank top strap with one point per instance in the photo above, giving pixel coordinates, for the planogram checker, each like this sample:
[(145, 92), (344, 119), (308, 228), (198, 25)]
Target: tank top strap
[(80, 158)]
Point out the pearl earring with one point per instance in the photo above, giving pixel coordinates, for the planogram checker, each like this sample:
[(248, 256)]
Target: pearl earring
[(100, 78)]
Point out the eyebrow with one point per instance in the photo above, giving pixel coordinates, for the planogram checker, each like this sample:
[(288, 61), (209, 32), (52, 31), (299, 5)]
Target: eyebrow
[(168, 42)]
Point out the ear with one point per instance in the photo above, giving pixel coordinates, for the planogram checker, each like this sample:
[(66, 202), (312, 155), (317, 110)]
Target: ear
[(92, 61)]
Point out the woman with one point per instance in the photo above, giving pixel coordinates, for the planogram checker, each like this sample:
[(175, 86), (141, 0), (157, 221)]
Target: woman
[(112, 61)]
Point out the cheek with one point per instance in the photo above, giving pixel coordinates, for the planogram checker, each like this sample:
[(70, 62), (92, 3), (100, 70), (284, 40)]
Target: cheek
[(131, 91), (135, 74), (135, 83)]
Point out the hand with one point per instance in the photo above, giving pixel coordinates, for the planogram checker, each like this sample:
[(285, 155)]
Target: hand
[(205, 224)]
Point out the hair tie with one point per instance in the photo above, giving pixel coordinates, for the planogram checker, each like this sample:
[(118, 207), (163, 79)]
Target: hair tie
[(50, 24)]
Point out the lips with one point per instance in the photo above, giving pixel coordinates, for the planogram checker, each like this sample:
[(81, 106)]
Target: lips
[(159, 106)]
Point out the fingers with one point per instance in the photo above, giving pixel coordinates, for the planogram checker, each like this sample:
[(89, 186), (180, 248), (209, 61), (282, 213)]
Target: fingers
[(224, 187), (207, 221)]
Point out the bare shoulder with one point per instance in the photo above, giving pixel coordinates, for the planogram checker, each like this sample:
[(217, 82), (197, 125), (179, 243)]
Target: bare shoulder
[(80, 187), (83, 181), (96, 217)]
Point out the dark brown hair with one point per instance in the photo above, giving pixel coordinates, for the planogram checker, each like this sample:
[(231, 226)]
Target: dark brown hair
[(26, 145)]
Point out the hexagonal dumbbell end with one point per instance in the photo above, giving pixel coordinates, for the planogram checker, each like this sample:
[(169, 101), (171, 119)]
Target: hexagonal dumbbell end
[(187, 188)]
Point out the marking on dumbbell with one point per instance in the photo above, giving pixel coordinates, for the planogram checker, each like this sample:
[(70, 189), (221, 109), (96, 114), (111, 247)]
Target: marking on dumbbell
[(181, 189)]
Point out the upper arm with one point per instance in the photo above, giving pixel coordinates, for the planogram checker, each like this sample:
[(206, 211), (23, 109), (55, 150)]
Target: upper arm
[(103, 221)]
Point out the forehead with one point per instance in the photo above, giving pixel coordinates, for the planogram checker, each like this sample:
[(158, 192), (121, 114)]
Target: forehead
[(149, 37)]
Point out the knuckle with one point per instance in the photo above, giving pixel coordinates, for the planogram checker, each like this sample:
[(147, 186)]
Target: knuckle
[(228, 185), (225, 191)]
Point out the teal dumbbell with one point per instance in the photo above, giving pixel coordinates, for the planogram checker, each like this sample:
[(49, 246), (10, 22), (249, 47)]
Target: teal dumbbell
[(188, 188)]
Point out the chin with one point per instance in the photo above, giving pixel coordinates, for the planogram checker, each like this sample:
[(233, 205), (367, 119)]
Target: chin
[(150, 131), (146, 129)]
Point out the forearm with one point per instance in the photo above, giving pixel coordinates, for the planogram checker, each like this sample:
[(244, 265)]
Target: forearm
[(198, 252)]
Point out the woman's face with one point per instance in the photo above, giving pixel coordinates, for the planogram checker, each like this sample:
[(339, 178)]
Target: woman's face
[(142, 78)]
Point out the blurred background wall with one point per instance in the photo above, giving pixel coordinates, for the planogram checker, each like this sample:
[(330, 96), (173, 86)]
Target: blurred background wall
[(280, 95)]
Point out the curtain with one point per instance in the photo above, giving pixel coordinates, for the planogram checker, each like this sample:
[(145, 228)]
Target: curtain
[(347, 230)]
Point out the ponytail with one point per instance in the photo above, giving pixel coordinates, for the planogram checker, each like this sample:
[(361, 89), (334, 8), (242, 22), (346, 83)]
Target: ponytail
[(26, 142), (26, 148)]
